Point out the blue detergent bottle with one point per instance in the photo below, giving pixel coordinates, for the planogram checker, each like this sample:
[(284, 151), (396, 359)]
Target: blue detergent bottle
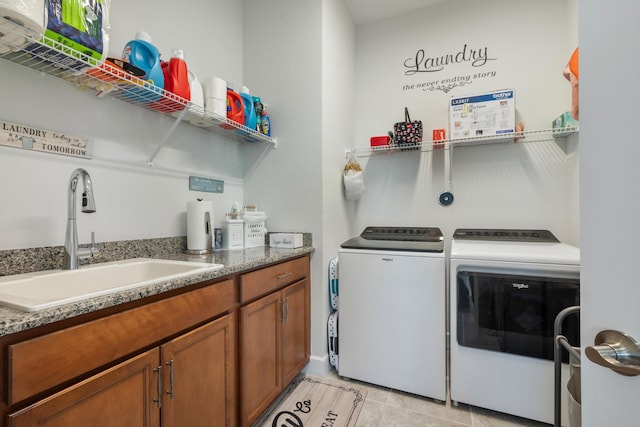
[(141, 53), (266, 121), (257, 104), (250, 116)]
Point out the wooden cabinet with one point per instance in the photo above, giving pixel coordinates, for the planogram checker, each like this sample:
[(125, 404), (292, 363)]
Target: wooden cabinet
[(260, 337), (187, 381), (216, 355), (120, 396), (199, 370), (185, 375), (296, 336), (92, 345), (274, 341)]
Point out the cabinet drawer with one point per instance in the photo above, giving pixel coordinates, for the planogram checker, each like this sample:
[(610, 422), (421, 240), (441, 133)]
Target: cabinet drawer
[(44, 362), (267, 279)]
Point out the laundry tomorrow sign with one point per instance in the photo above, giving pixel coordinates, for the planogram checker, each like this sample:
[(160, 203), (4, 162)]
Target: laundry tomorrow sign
[(425, 64), (35, 139)]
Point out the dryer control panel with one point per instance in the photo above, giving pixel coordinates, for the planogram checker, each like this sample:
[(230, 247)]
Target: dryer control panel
[(505, 235)]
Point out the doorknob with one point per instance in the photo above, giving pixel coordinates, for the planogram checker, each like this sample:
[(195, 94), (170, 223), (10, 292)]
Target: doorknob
[(615, 350)]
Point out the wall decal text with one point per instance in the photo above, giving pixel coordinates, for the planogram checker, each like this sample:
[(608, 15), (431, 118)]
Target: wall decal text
[(421, 63), (447, 84), (31, 138)]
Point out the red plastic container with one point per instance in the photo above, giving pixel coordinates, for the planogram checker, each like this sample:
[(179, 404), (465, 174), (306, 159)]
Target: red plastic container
[(380, 141), (235, 107), (176, 81)]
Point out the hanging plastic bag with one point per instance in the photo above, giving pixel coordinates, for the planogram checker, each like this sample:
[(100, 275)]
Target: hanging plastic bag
[(353, 177)]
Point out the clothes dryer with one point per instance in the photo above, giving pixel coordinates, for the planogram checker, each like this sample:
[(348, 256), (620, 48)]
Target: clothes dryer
[(505, 288)]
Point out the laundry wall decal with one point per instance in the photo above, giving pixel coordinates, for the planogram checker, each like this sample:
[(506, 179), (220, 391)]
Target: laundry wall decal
[(422, 63), (426, 64)]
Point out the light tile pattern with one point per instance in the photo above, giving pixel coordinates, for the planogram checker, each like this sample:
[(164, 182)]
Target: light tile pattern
[(384, 407)]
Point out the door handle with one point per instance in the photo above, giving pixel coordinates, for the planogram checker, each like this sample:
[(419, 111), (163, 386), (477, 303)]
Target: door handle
[(617, 351)]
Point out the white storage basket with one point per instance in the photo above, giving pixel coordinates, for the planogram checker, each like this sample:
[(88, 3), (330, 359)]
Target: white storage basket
[(254, 229)]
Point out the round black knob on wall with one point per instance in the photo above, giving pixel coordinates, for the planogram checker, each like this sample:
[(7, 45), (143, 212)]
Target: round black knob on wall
[(446, 198)]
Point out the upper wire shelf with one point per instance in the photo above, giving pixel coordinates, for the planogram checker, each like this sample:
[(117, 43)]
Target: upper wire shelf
[(426, 146), (26, 48)]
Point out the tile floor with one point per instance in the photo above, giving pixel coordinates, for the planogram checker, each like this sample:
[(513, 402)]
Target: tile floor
[(389, 408)]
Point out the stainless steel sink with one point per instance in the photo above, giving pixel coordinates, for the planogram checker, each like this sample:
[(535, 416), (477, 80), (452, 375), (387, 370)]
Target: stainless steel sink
[(46, 289)]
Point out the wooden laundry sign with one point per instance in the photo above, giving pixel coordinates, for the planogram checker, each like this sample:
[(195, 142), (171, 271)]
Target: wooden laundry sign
[(30, 138)]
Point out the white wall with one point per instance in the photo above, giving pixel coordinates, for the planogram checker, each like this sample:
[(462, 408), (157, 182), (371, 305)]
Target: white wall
[(208, 31), (338, 101), (504, 185), (283, 62), (133, 201)]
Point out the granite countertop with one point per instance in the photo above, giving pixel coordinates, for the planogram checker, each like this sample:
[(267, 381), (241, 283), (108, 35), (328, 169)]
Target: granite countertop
[(12, 320)]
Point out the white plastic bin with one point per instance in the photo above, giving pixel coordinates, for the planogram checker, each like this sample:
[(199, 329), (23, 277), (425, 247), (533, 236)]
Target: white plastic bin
[(255, 230)]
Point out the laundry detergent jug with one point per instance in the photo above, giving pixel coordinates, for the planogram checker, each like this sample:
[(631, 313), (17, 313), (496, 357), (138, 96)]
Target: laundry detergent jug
[(235, 107), (250, 117), (144, 55), (176, 82)]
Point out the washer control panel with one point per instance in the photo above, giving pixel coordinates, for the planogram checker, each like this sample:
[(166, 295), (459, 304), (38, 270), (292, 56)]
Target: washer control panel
[(407, 234)]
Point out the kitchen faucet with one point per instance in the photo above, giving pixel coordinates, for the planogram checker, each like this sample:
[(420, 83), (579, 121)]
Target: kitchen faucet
[(71, 259)]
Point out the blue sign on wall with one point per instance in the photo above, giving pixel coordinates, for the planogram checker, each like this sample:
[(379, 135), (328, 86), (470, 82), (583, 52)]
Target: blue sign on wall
[(197, 183)]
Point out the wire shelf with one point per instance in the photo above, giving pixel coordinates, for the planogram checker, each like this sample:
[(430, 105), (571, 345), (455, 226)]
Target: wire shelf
[(427, 146), (23, 47)]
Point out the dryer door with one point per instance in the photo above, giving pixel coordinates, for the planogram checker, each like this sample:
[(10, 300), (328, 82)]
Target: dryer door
[(514, 314)]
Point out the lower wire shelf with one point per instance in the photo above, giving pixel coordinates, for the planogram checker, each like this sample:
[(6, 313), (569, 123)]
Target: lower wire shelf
[(427, 146)]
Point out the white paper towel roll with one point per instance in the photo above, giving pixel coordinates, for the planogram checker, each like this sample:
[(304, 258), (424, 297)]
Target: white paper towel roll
[(200, 226), (215, 96), (28, 14)]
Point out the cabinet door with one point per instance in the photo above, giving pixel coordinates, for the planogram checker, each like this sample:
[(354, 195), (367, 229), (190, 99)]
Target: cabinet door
[(125, 395), (199, 377), (259, 355), (296, 330)]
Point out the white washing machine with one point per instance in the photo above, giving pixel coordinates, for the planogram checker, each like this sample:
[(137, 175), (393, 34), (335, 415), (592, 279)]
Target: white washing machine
[(505, 289), (392, 309)]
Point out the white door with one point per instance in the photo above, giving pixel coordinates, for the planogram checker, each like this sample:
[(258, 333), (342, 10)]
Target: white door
[(610, 199)]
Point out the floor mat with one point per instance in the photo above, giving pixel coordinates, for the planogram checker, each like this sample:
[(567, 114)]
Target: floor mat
[(313, 401)]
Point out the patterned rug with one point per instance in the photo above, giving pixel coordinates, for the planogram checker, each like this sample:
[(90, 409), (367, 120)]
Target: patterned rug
[(312, 401)]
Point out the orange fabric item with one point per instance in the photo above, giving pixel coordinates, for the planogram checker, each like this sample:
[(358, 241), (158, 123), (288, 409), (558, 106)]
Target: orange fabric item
[(570, 72), (573, 63)]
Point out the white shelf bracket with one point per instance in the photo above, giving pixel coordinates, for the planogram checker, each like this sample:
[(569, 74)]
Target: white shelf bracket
[(166, 137)]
